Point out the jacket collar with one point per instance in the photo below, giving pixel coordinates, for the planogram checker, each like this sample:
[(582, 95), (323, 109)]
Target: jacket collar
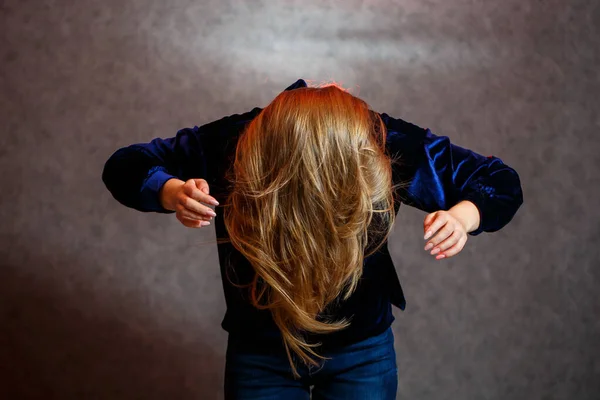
[(300, 83)]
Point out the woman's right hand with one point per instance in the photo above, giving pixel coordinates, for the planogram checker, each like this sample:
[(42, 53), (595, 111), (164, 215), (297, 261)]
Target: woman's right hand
[(186, 199)]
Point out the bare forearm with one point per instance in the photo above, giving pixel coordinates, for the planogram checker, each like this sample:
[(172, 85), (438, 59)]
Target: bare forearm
[(467, 213)]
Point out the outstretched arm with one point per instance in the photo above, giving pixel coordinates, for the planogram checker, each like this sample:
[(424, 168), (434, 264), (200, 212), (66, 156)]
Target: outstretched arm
[(135, 174), (442, 175)]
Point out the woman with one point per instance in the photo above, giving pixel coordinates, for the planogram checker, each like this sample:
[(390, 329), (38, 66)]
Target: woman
[(305, 193)]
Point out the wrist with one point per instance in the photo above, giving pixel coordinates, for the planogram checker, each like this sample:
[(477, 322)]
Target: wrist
[(167, 191), (468, 214)]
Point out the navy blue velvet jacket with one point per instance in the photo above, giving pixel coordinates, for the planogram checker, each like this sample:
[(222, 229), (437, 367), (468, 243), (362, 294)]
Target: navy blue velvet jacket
[(441, 175)]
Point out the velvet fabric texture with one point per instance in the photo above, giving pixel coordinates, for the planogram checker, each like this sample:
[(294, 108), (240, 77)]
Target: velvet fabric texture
[(440, 173)]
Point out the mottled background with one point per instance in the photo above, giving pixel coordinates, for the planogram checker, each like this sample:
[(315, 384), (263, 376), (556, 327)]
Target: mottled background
[(98, 301)]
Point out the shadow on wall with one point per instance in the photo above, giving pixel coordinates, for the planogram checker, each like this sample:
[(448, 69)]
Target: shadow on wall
[(62, 343)]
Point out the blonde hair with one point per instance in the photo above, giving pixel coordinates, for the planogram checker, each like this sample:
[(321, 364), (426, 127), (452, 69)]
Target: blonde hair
[(311, 197)]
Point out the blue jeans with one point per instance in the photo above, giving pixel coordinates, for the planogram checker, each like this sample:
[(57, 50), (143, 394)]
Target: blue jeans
[(364, 370)]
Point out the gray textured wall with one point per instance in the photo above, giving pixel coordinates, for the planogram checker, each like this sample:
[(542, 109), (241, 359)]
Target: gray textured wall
[(98, 301)]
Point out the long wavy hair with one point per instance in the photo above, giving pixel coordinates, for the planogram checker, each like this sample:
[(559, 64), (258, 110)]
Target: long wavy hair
[(312, 196)]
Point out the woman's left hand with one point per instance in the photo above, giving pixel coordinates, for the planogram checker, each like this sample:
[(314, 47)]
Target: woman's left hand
[(451, 234)]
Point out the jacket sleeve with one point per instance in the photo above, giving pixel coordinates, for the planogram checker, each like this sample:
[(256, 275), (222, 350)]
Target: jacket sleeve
[(135, 174), (438, 175)]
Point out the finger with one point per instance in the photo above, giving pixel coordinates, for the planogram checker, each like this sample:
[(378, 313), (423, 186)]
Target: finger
[(447, 243), (192, 223), (454, 250), (185, 213), (186, 222), (202, 185), (199, 191), (198, 224), (428, 220), (439, 220), (200, 196), (188, 205), (440, 236)]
